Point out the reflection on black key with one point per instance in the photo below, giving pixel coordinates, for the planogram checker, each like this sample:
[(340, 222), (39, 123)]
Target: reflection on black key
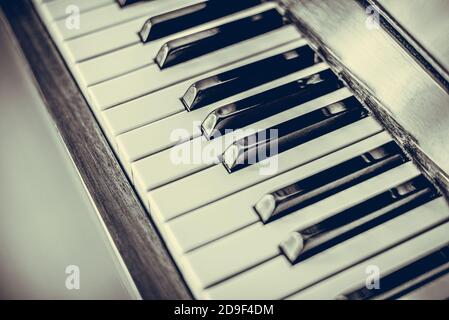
[(287, 135), (123, 3), (357, 219), (200, 43), (229, 83), (328, 182), (172, 22), (244, 112), (395, 279)]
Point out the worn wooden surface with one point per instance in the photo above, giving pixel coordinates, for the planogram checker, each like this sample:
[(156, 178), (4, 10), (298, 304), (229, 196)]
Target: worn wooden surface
[(132, 231)]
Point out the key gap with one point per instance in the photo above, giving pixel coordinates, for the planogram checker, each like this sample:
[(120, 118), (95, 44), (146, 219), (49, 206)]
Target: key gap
[(83, 11), (151, 122), (103, 28), (107, 52), (370, 256), (240, 272), (289, 170), (222, 236), (190, 77)]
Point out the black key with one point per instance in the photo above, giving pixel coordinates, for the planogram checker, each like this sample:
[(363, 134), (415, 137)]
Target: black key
[(328, 182), (357, 219), (252, 109), (395, 279), (123, 3), (195, 45), (229, 83), (255, 147), (172, 22)]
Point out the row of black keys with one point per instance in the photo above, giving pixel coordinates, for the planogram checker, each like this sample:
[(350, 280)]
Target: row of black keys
[(200, 43)]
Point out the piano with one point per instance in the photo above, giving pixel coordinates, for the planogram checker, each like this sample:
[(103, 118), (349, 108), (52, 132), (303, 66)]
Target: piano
[(292, 149)]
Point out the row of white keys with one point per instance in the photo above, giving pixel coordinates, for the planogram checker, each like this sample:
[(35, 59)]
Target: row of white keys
[(131, 58), (152, 78), (216, 183), (234, 212), (437, 289), (104, 17), (161, 104), (250, 246), (386, 262), (158, 135), (56, 10), (278, 278), (208, 152)]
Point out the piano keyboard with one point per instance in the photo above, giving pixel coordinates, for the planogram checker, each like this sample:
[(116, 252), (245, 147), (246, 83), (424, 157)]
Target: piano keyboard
[(308, 221)]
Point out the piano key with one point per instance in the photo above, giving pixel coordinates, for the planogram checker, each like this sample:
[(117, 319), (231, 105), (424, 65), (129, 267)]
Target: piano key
[(277, 278), (323, 235), (144, 110), (56, 10), (328, 182), (158, 135), (104, 17), (213, 177), (107, 41), (177, 20), (124, 3), (257, 243), (198, 44), (419, 281), (234, 212), (138, 55), (263, 105), (220, 85), (119, 90), (398, 280), (386, 262), (148, 178), (437, 289), (102, 42), (254, 148)]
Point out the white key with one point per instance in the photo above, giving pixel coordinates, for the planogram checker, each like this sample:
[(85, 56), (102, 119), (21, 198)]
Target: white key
[(232, 213), (277, 278), (131, 145), (59, 9), (116, 37), (257, 243), (208, 153), (437, 289), (108, 16), (139, 55), (387, 262), (216, 183), (151, 78), (103, 41), (163, 103)]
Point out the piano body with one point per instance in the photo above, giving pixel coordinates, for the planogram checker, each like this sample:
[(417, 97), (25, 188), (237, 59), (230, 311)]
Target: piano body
[(292, 149)]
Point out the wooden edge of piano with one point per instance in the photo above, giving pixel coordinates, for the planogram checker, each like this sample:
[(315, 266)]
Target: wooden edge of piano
[(395, 94)]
